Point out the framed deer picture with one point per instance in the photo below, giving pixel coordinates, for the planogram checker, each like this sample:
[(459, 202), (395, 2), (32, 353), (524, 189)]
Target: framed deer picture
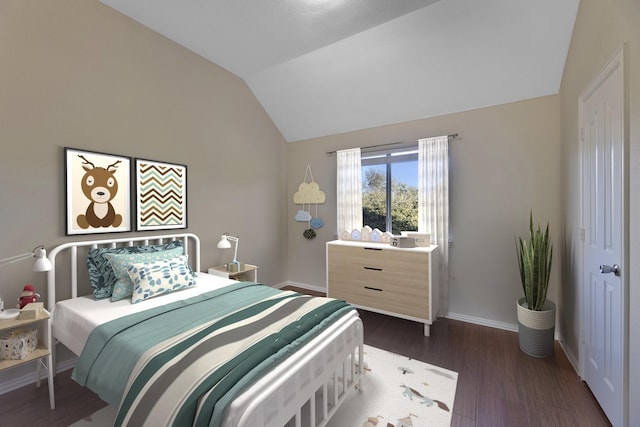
[(98, 192), (161, 195)]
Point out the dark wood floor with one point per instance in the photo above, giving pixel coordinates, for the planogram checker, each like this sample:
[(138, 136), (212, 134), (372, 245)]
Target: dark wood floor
[(498, 385)]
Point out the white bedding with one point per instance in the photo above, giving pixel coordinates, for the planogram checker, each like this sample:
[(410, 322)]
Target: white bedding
[(74, 319)]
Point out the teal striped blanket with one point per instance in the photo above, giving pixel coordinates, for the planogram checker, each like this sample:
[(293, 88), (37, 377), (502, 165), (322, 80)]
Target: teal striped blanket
[(183, 363)]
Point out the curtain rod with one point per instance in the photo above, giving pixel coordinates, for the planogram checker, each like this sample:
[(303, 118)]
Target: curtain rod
[(451, 136)]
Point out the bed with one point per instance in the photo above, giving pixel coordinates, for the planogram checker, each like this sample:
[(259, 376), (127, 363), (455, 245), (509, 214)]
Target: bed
[(295, 369)]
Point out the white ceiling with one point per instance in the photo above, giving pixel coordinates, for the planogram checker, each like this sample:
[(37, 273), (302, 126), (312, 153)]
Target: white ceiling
[(321, 67)]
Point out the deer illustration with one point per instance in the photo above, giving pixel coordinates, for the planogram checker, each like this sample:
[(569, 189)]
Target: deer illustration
[(100, 186)]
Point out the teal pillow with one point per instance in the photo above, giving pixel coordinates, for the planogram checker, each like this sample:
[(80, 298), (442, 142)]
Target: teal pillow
[(102, 277), (123, 288), (160, 277)]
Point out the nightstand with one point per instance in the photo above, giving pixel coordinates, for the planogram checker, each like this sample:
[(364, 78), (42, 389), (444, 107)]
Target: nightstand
[(248, 274), (42, 354)]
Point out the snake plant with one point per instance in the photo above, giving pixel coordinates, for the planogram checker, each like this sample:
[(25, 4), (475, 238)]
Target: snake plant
[(534, 260)]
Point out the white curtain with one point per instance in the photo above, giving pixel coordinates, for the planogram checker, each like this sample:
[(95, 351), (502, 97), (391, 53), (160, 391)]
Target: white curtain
[(349, 190), (433, 205)]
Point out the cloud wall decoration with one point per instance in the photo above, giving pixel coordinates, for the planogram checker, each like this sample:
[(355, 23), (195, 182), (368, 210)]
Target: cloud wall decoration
[(303, 216), (308, 192)]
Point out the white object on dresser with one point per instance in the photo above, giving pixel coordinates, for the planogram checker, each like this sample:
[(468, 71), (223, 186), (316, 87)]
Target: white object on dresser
[(395, 281), (248, 273)]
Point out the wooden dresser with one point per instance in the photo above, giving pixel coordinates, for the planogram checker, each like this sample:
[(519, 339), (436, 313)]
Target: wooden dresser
[(389, 280)]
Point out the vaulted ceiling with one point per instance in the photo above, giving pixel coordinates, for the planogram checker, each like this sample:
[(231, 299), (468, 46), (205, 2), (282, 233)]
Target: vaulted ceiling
[(321, 67)]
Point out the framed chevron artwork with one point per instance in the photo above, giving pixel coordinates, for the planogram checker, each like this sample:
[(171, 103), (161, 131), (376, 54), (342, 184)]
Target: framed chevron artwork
[(161, 195)]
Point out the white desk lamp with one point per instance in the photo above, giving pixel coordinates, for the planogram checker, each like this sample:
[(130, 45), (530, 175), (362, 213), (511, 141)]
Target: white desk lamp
[(41, 264), (225, 244)]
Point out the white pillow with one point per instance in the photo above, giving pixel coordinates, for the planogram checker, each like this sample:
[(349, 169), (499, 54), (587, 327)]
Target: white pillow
[(151, 279)]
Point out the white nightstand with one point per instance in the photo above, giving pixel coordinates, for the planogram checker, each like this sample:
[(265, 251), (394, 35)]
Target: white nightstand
[(248, 274), (42, 354)]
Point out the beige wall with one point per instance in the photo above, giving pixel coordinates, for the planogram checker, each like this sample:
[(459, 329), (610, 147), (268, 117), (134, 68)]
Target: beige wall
[(505, 162), (601, 28), (77, 73)]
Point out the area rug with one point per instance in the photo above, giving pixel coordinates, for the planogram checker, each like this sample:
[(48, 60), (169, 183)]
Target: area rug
[(396, 392), (399, 392)]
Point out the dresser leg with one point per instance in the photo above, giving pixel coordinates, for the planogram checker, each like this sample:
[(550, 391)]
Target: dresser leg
[(427, 329)]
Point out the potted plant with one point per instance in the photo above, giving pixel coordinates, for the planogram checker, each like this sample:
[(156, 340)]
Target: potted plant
[(536, 314)]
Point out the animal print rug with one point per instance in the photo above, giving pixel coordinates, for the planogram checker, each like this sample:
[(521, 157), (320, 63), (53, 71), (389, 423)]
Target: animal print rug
[(399, 392)]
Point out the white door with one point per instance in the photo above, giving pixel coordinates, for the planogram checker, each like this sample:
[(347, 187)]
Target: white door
[(604, 327)]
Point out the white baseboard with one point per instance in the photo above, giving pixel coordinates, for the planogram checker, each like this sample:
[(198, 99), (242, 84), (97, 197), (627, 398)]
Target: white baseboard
[(483, 322), (455, 316), (303, 286), (30, 378), (513, 327), (572, 358), (280, 285)]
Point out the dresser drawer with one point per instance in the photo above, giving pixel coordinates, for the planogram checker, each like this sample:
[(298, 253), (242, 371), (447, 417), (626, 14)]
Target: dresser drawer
[(379, 258), (398, 281), (388, 296)]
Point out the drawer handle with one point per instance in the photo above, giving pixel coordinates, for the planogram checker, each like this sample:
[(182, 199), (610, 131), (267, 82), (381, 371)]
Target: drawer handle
[(372, 249), (373, 268), (373, 289)]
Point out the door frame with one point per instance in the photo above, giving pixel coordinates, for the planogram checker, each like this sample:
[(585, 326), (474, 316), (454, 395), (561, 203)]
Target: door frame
[(616, 62)]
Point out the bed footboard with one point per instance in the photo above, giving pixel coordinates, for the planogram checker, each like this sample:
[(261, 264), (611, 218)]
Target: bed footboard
[(309, 395)]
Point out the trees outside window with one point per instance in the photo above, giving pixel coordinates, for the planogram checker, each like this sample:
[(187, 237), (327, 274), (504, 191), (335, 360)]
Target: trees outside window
[(390, 190)]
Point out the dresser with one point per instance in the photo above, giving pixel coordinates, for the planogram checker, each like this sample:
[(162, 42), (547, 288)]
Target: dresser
[(378, 277)]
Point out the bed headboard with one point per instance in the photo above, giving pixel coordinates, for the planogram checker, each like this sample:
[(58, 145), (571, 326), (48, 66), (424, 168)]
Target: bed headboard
[(190, 241)]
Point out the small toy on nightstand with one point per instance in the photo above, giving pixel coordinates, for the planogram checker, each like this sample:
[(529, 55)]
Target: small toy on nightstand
[(28, 295)]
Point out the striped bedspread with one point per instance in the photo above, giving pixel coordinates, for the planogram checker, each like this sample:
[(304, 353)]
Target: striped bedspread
[(183, 363)]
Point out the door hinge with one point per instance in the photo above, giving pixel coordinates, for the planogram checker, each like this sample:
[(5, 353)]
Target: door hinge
[(582, 134), (582, 234)]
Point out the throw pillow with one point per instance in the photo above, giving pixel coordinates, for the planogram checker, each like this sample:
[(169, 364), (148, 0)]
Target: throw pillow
[(160, 277), (123, 288), (101, 275)]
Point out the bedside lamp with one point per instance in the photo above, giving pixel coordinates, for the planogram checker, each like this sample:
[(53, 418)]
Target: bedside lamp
[(41, 264), (225, 243)]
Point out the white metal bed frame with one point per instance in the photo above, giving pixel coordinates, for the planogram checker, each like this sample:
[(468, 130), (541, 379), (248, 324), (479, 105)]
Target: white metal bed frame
[(326, 368)]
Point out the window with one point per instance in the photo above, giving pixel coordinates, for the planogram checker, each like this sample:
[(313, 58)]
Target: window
[(390, 189)]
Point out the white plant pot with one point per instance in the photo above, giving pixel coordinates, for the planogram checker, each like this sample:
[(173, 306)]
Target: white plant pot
[(536, 329)]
